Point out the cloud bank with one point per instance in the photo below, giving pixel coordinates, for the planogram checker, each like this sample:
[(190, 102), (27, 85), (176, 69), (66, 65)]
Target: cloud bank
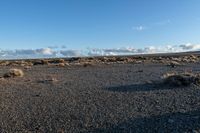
[(51, 52)]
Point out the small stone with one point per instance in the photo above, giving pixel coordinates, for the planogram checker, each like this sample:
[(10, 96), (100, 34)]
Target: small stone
[(170, 120)]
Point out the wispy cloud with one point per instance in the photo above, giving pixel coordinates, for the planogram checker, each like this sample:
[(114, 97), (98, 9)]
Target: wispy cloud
[(152, 25), (139, 28), (163, 22), (57, 47)]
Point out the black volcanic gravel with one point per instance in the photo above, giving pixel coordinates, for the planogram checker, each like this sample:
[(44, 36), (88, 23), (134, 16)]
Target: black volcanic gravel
[(100, 98)]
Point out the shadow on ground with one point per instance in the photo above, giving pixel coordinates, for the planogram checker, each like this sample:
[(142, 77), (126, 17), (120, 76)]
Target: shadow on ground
[(140, 87), (172, 122)]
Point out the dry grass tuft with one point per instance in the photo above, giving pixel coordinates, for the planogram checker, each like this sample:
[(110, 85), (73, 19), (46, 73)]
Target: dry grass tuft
[(174, 63), (61, 64), (181, 79), (49, 79), (27, 67), (45, 62), (14, 73), (86, 64), (67, 64), (61, 61)]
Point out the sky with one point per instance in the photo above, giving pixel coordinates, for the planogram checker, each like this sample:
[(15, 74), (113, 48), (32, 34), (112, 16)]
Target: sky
[(97, 25)]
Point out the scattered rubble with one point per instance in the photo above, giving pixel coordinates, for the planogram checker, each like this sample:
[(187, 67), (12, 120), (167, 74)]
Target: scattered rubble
[(172, 61)]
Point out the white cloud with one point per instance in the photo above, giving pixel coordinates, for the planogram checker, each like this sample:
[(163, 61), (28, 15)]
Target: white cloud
[(71, 53), (117, 51), (27, 53), (190, 46), (48, 52), (45, 51), (146, 50)]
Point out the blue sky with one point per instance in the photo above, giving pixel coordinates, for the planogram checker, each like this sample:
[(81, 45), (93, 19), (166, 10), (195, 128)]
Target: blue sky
[(78, 24)]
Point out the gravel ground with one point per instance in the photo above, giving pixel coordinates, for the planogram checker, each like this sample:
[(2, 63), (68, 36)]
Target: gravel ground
[(99, 98)]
